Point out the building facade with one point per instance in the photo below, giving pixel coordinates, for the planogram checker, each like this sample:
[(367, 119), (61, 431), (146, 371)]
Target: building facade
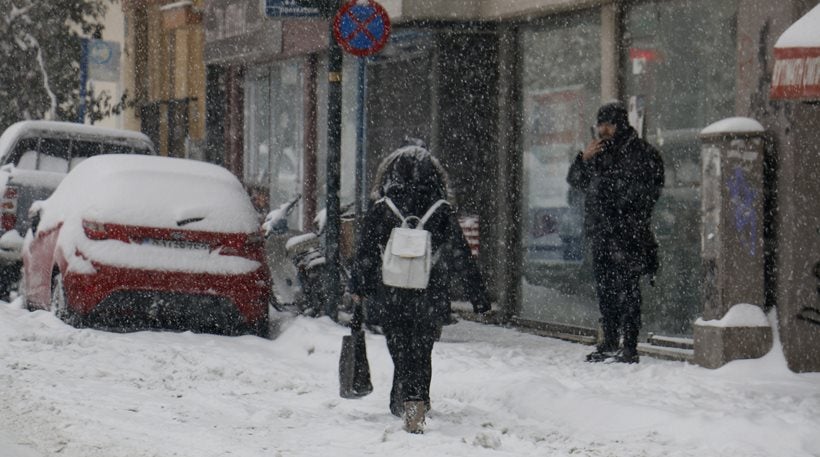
[(505, 94), (164, 74)]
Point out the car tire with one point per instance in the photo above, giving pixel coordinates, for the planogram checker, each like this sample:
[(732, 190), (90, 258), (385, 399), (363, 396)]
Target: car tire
[(59, 302)]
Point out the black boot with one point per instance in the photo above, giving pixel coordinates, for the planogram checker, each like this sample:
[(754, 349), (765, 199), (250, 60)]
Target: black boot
[(602, 353), (627, 356)]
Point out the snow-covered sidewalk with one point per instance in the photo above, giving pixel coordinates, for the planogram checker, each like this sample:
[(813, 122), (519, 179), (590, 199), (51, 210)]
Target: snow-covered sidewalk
[(496, 391)]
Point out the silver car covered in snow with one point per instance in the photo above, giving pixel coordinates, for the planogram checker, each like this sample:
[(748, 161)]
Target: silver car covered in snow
[(34, 157)]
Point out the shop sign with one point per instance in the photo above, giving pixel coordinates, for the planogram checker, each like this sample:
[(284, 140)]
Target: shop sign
[(796, 73), (290, 9)]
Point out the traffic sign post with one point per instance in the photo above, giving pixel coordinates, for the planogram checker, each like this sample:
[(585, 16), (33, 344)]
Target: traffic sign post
[(361, 28), (333, 298)]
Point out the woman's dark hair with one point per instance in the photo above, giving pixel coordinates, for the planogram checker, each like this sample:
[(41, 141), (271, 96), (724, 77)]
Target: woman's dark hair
[(411, 171)]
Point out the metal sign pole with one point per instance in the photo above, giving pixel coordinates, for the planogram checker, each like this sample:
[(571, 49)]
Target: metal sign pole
[(361, 143), (334, 146)]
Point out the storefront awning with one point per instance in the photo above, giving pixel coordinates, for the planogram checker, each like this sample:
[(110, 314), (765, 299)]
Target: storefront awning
[(796, 73)]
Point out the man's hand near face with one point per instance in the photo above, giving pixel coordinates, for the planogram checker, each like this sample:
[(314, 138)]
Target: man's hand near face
[(605, 131), (593, 149)]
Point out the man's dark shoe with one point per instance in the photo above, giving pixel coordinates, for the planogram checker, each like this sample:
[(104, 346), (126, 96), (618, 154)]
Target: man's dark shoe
[(600, 355), (626, 357)]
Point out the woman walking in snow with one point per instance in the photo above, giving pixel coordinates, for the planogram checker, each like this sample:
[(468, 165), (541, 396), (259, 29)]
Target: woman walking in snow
[(413, 180)]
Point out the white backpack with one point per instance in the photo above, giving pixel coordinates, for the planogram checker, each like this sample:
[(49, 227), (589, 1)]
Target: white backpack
[(407, 258)]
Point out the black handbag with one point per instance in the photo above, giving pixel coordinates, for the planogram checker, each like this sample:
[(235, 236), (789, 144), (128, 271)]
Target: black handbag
[(354, 370)]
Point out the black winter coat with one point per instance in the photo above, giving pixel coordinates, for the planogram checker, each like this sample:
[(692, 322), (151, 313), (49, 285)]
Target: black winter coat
[(621, 184), (432, 305)]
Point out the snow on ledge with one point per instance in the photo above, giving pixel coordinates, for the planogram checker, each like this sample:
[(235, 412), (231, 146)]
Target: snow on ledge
[(734, 125), (180, 4), (804, 33), (740, 315)]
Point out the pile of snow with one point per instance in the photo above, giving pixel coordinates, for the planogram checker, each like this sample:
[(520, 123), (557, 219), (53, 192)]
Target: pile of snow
[(804, 33), (733, 125), (740, 315), (495, 392)]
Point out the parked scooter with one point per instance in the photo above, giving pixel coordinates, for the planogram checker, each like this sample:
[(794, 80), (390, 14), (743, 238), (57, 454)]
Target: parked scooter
[(298, 264), (283, 272)]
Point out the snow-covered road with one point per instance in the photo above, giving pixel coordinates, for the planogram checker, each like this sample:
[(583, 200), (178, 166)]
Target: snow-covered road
[(496, 391)]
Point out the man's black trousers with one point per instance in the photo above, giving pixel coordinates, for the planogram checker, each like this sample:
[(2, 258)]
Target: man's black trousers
[(619, 300)]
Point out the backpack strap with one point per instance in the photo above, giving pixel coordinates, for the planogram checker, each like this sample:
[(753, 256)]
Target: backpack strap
[(393, 208), (430, 212), (423, 219)]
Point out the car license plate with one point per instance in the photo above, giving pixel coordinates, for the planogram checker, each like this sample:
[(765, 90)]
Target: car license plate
[(176, 244)]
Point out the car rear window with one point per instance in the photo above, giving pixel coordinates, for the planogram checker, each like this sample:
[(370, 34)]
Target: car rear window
[(85, 149), (55, 147), (117, 149), (46, 154)]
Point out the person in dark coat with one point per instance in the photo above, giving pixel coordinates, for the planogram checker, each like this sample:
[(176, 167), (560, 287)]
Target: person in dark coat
[(410, 318), (621, 176)]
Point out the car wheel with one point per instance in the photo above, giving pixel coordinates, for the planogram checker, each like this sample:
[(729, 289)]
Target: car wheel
[(59, 302)]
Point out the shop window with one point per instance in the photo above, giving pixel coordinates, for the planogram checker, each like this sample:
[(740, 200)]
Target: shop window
[(678, 63), (178, 126), (560, 92), (257, 127), (150, 121), (274, 126)]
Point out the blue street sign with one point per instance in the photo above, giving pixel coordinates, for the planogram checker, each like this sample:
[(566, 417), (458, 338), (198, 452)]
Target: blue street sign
[(289, 9)]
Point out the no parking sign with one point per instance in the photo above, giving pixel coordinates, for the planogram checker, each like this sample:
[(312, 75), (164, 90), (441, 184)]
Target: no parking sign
[(361, 27)]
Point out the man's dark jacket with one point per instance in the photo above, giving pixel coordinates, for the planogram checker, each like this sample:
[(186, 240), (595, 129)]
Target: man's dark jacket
[(621, 185)]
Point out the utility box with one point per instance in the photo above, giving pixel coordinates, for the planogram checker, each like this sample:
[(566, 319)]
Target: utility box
[(732, 196)]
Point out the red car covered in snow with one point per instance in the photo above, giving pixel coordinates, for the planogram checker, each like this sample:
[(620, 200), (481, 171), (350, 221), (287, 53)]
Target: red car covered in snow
[(128, 241)]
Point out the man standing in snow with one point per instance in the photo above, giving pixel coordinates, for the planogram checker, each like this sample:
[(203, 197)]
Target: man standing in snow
[(621, 176)]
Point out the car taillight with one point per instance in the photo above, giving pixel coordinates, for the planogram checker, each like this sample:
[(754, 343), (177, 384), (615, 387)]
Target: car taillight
[(8, 209), (95, 230)]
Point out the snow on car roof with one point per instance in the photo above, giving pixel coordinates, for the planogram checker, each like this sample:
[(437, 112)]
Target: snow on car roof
[(27, 128), (152, 191)]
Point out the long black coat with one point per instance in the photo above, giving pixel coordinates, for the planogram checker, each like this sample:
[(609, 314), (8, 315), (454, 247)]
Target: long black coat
[(432, 305), (622, 183)]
